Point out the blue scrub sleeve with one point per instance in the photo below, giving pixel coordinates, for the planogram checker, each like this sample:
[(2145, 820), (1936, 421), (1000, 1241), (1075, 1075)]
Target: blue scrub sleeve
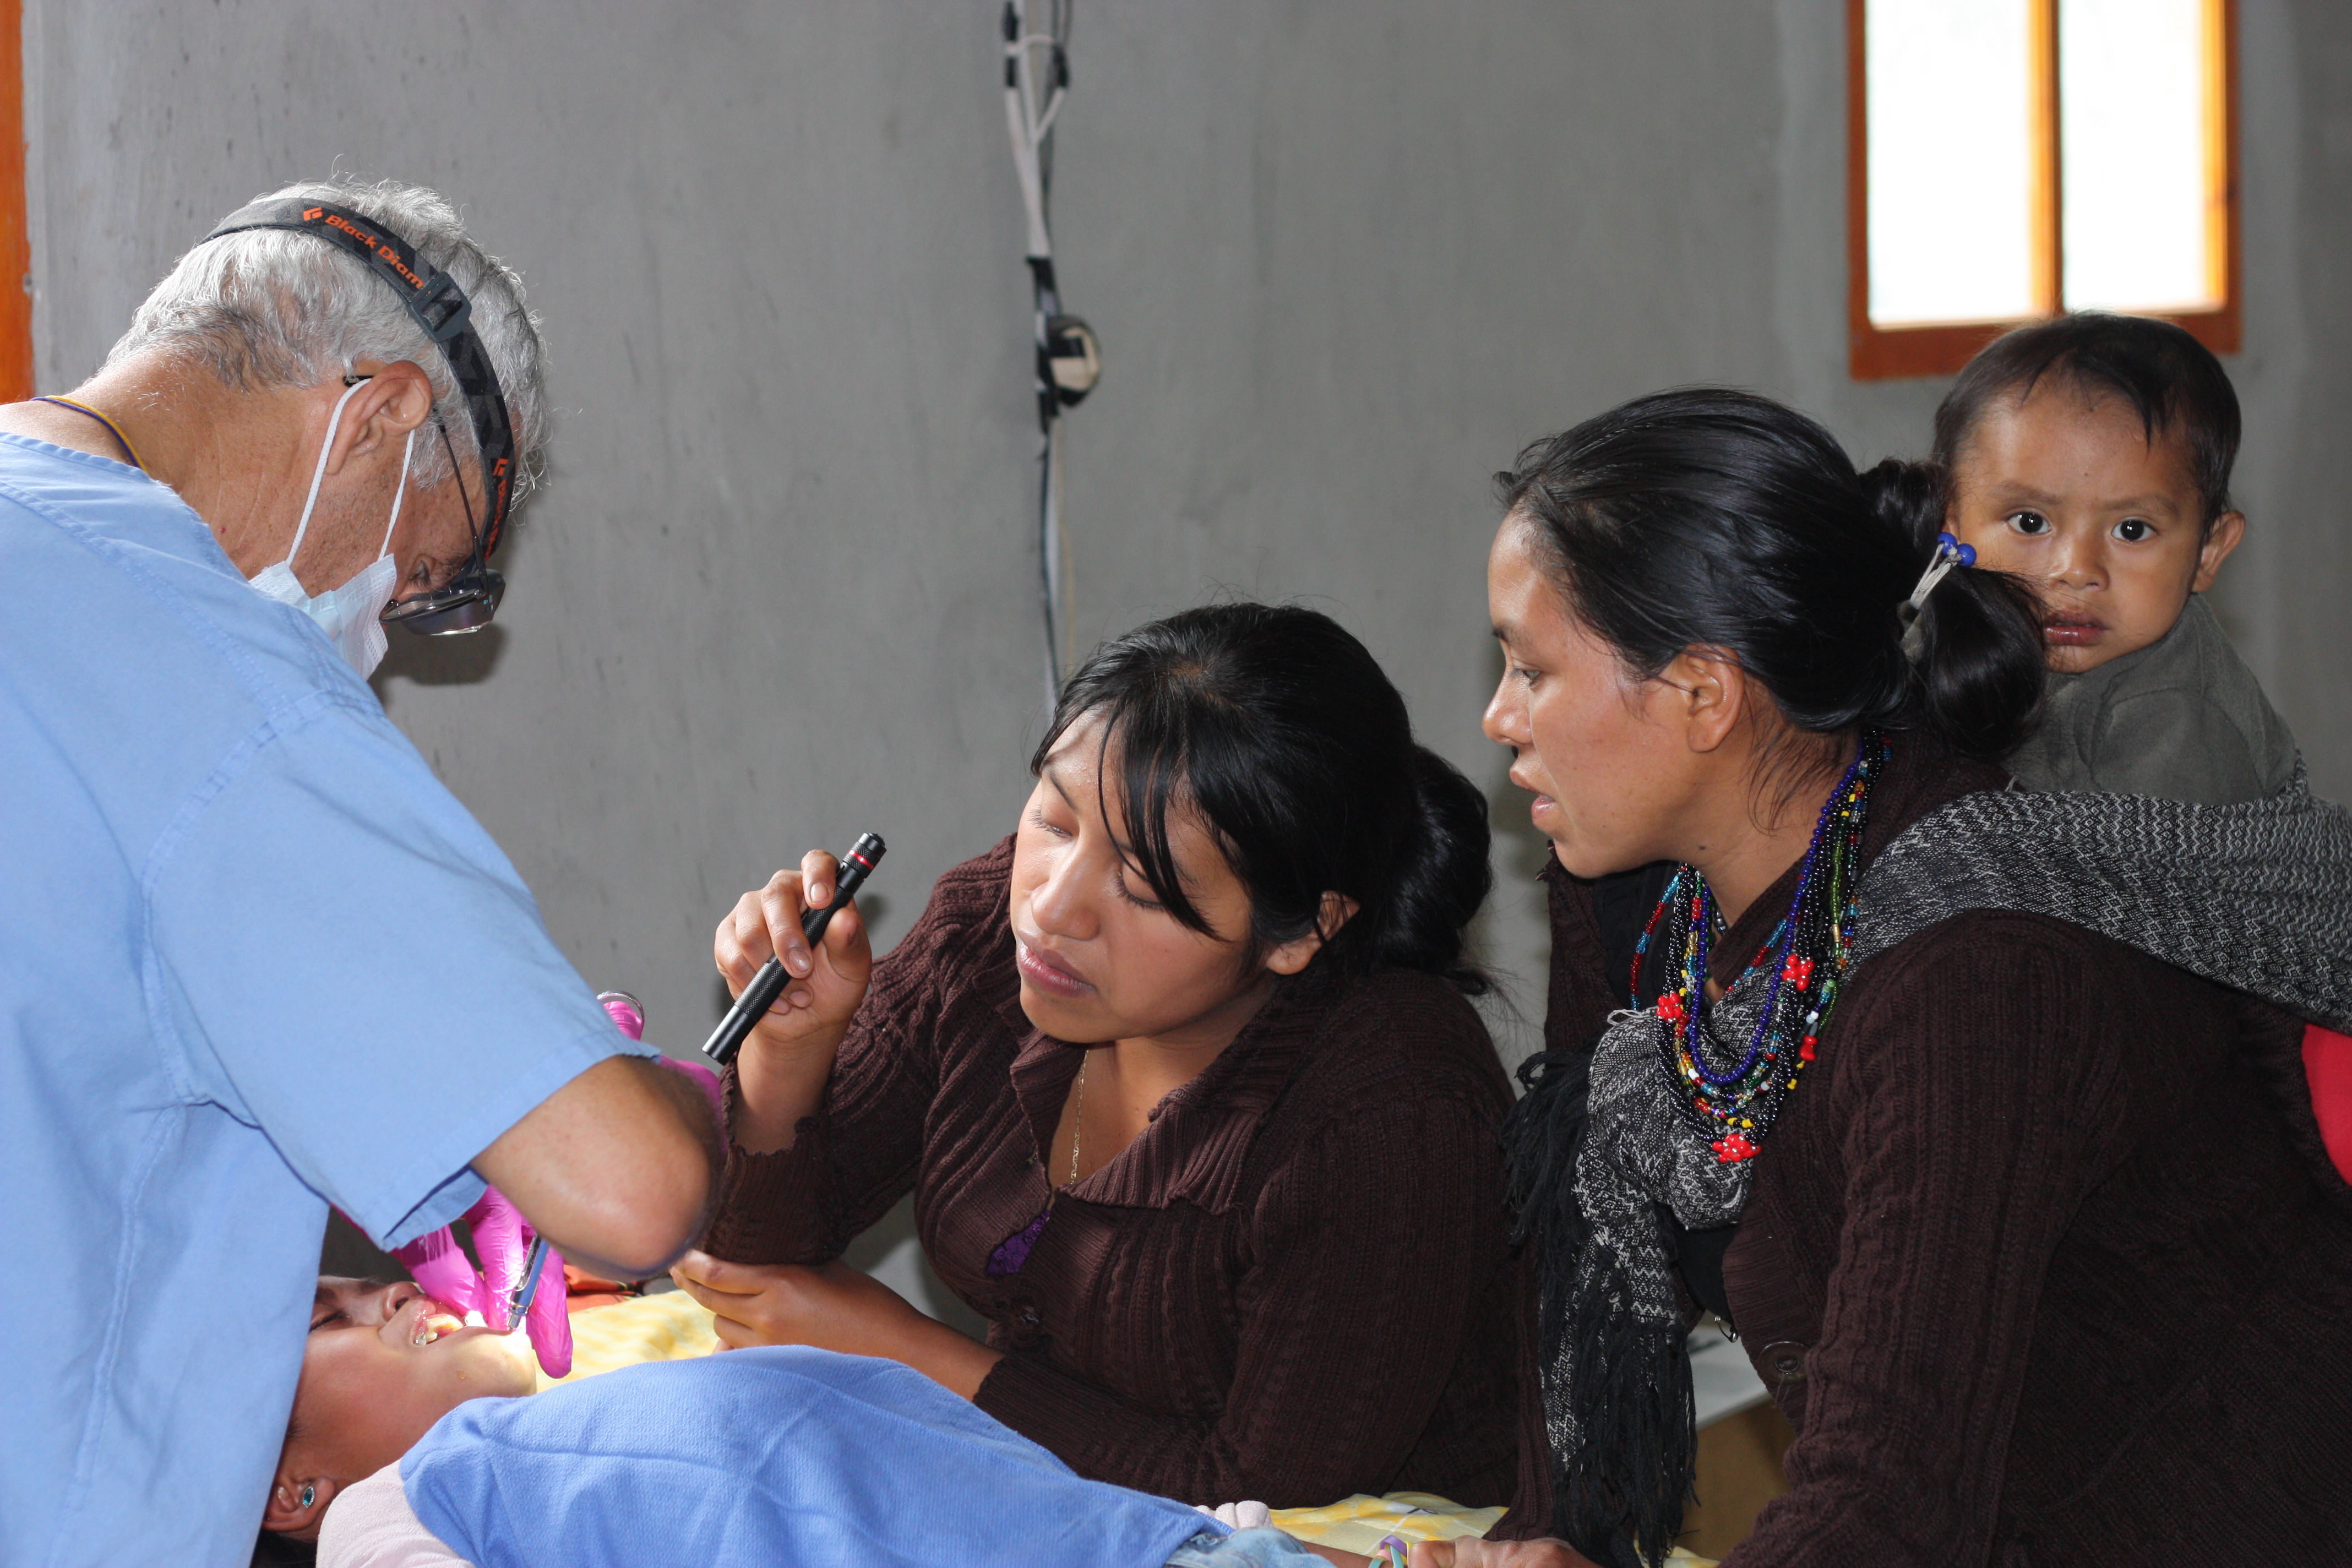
[(341, 957)]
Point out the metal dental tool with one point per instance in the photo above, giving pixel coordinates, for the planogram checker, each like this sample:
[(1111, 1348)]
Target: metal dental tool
[(519, 1298)]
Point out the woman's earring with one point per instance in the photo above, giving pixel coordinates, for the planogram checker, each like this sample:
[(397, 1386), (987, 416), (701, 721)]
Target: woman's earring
[(309, 1495)]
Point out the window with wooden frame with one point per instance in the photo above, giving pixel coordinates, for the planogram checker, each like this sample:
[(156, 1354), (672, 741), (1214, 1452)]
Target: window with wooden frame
[(2009, 160)]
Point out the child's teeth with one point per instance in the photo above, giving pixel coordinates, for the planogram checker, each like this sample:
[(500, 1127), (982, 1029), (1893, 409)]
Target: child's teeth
[(433, 1326)]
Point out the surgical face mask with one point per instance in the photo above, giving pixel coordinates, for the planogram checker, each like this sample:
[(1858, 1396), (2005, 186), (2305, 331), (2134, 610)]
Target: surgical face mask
[(347, 614)]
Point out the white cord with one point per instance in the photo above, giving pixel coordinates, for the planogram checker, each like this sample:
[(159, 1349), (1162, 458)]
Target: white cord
[(1031, 124)]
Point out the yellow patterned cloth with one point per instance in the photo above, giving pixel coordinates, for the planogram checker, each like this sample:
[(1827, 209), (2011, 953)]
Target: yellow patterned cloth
[(1358, 1524), (674, 1326), (671, 1326)]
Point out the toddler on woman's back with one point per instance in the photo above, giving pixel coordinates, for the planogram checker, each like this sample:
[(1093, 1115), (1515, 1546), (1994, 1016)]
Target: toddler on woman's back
[(2091, 455)]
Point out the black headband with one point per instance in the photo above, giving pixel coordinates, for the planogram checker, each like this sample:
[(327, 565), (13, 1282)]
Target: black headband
[(440, 307)]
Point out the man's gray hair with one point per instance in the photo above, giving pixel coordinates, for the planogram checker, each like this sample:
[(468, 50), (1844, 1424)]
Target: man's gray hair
[(272, 307)]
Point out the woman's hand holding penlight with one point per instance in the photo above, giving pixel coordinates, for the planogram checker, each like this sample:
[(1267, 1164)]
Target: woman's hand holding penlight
[(780, 1074), (833, 1307)]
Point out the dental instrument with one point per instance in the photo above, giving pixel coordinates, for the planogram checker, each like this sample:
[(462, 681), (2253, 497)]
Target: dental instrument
[(519, 1298), (769, 983)]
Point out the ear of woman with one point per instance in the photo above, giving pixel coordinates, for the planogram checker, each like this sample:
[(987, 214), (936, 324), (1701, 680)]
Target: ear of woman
[(1714, 692)]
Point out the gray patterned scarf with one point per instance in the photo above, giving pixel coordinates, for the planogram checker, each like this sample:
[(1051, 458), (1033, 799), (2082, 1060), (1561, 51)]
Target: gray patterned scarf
[(2256, 897)]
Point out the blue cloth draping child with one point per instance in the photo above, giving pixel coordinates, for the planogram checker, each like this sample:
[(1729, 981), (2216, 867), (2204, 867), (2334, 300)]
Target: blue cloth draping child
[(779, 1455)]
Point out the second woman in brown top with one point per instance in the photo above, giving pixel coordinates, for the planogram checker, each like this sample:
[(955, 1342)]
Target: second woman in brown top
[(1184, 1083)]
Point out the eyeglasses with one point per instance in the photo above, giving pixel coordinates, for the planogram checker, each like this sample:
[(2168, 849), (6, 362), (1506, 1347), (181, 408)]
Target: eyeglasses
[(471, 597)]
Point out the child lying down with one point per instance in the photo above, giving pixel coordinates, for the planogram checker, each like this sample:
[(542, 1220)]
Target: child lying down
[(409, 1424)]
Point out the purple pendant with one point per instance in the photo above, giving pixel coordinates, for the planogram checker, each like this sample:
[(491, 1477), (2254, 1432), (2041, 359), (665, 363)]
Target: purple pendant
[(1013, 1250)]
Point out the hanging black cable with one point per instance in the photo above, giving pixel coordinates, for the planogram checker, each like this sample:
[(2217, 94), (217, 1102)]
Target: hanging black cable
[(1036, 80)]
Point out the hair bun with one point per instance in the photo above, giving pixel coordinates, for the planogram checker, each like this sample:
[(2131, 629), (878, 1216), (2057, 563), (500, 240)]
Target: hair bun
[(1446, 877), (1911, 495)]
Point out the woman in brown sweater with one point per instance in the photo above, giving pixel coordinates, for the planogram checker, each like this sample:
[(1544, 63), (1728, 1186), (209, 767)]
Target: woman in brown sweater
[(2030, 1233), (1184, 1080)]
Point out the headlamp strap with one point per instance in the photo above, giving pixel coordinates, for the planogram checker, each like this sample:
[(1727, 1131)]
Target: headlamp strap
[(442, 308), (439, 304)]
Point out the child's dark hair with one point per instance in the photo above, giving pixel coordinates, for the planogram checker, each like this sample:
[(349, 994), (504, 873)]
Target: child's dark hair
[(1713, 518), (1282, 733), (2170, 380)]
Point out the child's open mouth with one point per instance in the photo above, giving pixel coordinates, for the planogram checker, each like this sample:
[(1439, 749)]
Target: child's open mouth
[(434, 1321)]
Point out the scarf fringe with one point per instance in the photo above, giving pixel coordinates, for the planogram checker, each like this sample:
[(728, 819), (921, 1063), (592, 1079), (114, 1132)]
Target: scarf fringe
[(1617, 1389)]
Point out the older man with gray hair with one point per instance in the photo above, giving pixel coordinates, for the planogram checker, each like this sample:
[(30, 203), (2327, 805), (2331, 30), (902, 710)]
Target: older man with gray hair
[(254, 958)]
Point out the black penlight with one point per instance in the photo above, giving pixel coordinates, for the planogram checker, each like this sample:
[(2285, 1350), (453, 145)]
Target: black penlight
[(770, 982)]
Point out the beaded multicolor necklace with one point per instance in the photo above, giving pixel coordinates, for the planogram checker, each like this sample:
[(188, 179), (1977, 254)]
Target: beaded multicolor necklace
[(1737, 1103)]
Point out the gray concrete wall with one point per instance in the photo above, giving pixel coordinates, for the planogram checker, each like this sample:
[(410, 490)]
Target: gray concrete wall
[(1344, 259)]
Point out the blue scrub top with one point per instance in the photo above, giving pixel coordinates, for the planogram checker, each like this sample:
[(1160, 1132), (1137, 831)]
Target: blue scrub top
[(254, 959)]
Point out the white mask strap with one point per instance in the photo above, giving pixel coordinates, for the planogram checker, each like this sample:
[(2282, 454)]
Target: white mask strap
[(320, 472), (399, 494)]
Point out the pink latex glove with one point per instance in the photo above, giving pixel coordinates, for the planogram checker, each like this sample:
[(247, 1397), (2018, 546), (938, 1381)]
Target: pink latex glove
[(503, 1238), (438, 1264), (629, 1014)]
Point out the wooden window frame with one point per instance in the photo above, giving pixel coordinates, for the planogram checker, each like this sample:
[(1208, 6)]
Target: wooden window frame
[(1940, 348)]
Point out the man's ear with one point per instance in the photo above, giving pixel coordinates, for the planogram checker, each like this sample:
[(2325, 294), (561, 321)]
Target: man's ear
[(1296, 953), (1712, 693), (288, 1513), (394, 400), (2228, 532)]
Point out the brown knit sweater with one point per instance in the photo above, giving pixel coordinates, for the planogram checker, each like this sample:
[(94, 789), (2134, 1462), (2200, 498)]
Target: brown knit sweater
[(1294, 1286), (2043, 1261)]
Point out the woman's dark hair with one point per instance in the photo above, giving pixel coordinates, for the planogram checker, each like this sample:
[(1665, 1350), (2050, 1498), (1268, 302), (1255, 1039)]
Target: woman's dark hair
[(1713, 518), (1281, 733), (2170, 380)]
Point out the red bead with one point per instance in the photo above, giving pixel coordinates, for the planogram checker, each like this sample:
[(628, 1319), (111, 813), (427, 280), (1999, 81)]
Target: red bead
[(1670, 1007), (1805, 1051), (1732, 1147)]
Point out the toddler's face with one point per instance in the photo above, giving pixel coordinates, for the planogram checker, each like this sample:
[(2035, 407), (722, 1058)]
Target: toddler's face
[(2067, 491)]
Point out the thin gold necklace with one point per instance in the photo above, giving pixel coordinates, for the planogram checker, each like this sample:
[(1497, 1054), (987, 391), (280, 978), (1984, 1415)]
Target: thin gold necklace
[(1007, 1259), (1079, 1118)]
